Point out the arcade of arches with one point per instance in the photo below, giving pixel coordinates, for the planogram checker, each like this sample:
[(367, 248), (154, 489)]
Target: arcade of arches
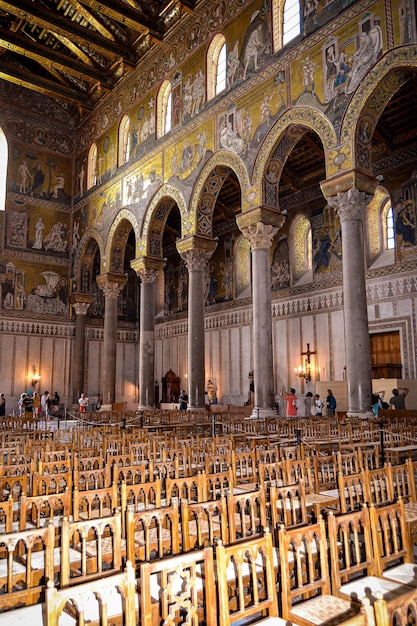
[(278, 214)]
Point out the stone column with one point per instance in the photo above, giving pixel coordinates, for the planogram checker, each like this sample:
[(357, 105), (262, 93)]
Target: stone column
[(111, 284), (260, 227), (80, 304), (351, 206), (147, 269), (196, 251)]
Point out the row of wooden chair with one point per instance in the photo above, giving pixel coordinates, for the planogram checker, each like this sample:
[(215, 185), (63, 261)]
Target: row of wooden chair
[(357, 571)]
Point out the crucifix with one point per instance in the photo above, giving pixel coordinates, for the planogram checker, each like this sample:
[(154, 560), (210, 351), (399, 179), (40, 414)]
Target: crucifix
[(308, 353)]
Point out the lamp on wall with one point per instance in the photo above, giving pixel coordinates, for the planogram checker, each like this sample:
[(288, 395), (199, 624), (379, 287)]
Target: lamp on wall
[(35, 377), (304, 371)]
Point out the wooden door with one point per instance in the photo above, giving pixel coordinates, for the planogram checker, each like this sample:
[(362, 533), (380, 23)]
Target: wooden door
[(386, 355)]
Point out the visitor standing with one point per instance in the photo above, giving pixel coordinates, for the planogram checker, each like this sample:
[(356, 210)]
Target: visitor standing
[(330, 404), (43, 402), (291, 400), (309, 405), (83, 402), (183, 400), (398, 399), (2, 405), (319, 405)]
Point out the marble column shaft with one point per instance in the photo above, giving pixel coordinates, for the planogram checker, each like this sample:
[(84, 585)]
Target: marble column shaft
[(111, 290), (147, 339), (196, 251), (351, 207), (260, 236), (78, 363)]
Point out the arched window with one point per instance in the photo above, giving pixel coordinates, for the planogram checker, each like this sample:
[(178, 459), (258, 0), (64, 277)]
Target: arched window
[(3, 169), (216, 66), (291, 21), (388, 226), (124, 140), (164, 109), (92, 166)]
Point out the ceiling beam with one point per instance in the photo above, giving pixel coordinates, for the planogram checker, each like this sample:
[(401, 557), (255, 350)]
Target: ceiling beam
[(24, 78), (61, 25), (50, 58), (126, 15)]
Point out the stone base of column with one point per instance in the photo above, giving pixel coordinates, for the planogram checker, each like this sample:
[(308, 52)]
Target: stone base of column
[(363, 415), (145, 407), (262, 413)]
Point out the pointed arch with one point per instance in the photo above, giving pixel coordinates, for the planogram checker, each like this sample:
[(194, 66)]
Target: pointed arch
[(155, 218), (199, 219), (368, 103), (297, 118), (123, 216), (90, 243)]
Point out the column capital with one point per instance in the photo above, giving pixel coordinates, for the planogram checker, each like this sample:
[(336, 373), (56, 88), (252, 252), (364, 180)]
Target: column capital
[(350, 204), (352, 179), (260, 235), (261, 214), (81, 308), (111, 284), (147, 263), (81, 298), (196, 250)]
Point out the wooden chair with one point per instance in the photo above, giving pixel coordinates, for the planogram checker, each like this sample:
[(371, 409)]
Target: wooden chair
[(153, 534), (38, 510), (191, 488), (245, 470), (378, 485), (304, 583), (348, 462), (94, 478), (325, 471), (95, 503), (7, 523), (21, 580), (99, 544), (287, 506), (403, 484), (179, 590), (109, 600), (353, 563), (272, 473), (246, 513), (142, 496), (392, 551), (246, 582), (352, 491), (51, 483), (203, 522), (301, 469), (217, 484)]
